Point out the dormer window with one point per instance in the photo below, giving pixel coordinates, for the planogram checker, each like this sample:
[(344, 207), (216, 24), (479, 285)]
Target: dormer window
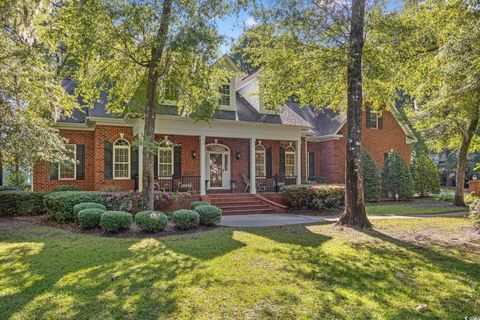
[(225, 95)]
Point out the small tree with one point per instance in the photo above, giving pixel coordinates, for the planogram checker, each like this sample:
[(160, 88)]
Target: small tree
[(397, 182), (426, 178), (371, 178)]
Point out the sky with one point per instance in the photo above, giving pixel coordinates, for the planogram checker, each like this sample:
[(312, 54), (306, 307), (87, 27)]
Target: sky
[(232, 26)]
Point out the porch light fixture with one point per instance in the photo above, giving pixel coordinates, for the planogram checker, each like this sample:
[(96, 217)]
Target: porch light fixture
[(194, 154), (238, 155)]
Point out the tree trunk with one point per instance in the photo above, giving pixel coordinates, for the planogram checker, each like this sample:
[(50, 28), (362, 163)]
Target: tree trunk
[(462, 161), (354, 214), (152, 82), (1, 170)]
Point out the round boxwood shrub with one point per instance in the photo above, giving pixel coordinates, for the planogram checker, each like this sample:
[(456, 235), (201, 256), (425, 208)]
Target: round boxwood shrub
[(371, 178), (195, 204), (186, 219), (87, 205), (396, 178), (209, 215), (151, 221), (114, 221), (90, 217), (60, 204)]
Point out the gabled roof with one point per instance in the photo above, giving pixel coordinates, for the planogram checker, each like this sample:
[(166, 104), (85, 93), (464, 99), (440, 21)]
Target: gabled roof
[(324, 121)]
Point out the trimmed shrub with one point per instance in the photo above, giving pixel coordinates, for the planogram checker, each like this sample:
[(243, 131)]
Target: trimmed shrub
[(60, 204), (90, 217), (371, 178), (425, 174), (87, 205), (474, 213), (319, 197), (114, 221), (195, 204), (20, 203), (66, 187), (151, 221), (186, 219), (396, 178), (209, 215)]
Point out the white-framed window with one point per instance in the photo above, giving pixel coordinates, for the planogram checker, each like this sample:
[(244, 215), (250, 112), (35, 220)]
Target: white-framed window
[(373, 120), (290, 161), (165, 161), (259, 160), (225, 95), (67, 170), (121, 159)]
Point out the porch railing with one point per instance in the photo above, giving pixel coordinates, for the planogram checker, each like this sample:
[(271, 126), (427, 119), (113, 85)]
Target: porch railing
[(178, 184), (274, 183)]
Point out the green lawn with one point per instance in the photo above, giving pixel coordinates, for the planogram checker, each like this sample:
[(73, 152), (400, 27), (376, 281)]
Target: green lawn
[(411, 209), (295, 272)]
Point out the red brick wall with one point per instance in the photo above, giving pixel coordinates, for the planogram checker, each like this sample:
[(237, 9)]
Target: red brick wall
[(94, 164), (331, 162), (41, 176), (190, 167), (111, 134)]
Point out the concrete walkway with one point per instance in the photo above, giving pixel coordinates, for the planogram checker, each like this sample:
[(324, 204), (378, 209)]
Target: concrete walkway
[(283, 219)]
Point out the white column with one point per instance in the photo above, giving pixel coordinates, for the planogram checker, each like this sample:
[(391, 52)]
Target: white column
[(298, 161), (306, 159), (253, 188), (202, 166)]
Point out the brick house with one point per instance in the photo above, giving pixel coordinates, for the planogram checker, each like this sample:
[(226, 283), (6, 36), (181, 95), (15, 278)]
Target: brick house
[(244, 148)]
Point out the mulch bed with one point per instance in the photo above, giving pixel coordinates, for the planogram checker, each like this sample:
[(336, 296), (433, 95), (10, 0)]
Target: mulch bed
[(133, 232)]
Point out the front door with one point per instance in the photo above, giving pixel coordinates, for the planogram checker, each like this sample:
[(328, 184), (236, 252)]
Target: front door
[(219, 170)]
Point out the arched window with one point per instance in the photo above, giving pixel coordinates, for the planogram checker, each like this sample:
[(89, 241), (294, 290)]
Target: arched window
[(165, 161), (121, 159), (290, 161), (259, 160)]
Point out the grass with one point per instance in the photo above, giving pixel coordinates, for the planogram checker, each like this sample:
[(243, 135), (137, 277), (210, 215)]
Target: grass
[(411, 209), (294, 272)]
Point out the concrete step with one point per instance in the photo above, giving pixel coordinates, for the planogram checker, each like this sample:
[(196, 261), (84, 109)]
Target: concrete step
[(253, 206), (245, 211)]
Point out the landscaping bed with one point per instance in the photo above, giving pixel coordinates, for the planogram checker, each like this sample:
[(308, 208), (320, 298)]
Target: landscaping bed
[(133, 231)]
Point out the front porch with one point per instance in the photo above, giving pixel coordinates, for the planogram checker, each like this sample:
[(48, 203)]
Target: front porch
[(192, 184), (219, 164), (219, 157)]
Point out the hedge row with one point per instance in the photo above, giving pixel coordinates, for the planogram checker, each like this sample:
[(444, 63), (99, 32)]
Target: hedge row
[(20, 203), (60, 204), (316, 197)]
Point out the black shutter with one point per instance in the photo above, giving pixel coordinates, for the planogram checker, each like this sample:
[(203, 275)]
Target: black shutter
[(155, 165), (108, 160), (177, 161), (380, 122), (282, 162), (268, 162), (367, 116), (53, 171), (311, 164), (80, 162), (248, 162), (134, 163)]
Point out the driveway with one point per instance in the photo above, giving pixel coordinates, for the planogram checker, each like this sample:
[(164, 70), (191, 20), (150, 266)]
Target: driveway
[(282, 219)]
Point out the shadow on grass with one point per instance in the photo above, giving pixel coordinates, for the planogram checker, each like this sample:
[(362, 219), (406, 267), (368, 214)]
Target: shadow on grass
[(49, 273)]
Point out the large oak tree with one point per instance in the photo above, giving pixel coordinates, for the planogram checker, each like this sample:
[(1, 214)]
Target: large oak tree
[(139, 53)]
